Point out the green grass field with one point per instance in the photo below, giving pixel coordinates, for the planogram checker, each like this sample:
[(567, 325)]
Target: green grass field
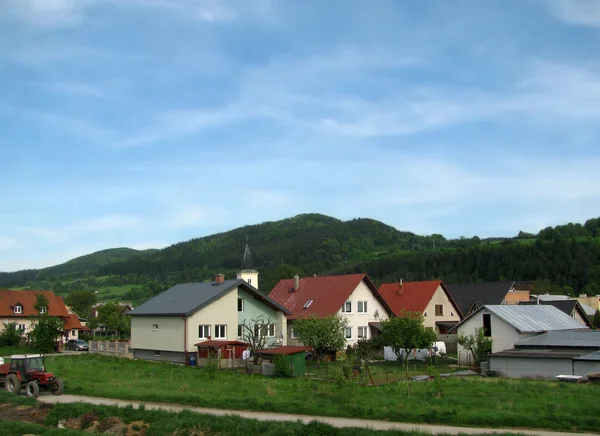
[(471, 401), (19, 349)]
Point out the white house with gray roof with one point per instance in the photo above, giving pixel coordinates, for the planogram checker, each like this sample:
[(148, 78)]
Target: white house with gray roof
[(167, 326), (508, 324)]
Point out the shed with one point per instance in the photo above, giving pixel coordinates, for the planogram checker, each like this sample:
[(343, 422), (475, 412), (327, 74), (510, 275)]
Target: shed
[(223, 349), (295, 356)]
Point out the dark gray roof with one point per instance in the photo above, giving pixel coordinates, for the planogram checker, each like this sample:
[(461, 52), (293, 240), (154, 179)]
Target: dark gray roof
[(187, 298), (482, 293), (592, 356), (541, 353), (569, 338)]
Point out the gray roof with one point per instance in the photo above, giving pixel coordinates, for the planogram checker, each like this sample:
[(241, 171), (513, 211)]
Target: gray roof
[(531, 319), (592, 356), (187, 298), (565, 338), (550, 297), (589, 310), (543, 353)]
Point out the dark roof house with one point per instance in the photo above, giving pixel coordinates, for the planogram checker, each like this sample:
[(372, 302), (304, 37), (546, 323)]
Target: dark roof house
[(570, 307), (471, 296)]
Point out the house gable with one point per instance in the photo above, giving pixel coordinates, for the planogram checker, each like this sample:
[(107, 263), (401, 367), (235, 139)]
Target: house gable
[(449, 310)]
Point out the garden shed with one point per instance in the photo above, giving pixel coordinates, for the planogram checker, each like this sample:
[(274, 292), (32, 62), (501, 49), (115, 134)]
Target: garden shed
[(229, 353), (295, 357)]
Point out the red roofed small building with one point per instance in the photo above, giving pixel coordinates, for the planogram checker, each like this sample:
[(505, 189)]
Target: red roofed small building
[(19, 307), (430, 298), (354, 296)]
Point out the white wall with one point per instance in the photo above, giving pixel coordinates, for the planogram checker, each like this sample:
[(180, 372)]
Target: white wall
[(222, 311), (168, 337), (249, 276), (524, 367), (355, 319), (585, 367), (504, 336), (450, 313)]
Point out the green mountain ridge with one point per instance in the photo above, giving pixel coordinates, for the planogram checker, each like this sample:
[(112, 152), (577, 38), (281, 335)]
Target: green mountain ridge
[(566, 255)]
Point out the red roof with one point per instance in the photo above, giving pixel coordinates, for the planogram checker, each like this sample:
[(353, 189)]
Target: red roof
[(327, 293), (415, 296), (26, 299), (72, 323), (219, 344), (285, 349)]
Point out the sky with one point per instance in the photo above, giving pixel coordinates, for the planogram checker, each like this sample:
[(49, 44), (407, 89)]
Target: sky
[(142, 123)]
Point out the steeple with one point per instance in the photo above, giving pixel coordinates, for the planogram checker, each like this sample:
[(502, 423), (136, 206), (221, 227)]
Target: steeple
[(247, 260), (247, 271)]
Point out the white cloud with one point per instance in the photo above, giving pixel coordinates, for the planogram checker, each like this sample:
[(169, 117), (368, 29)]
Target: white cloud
[(578, 12)]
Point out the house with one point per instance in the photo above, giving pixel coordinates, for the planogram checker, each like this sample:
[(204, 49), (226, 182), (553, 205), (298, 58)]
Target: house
[(570, 307), (294, 357), (19, 307), (548, 355), (354, 296), (430, 298), (592, 301), (508, 324), (125, 308), (471, 296), (172, 324)]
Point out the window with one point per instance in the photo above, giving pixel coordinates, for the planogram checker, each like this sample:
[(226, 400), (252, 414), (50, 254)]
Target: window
[(294, 335), (154, 327), (43, 309), (347, 307), (362, 307), (487, 324), (203, 331), (267, 330), (240, 330), (425, 313), (348, 332), (240, 304), (307, 304), (18, 309), (157, 353), (362, 333), (249, 281), (220, 331), (20, 327), (439, 310), (73, 332)]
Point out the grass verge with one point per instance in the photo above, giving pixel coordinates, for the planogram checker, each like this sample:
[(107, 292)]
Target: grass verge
[(471, 401), (82, 418)]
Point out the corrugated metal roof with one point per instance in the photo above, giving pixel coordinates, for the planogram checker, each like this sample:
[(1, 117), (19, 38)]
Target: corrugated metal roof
[(565, 338), (540, 354), (531, 319), (592, 356), (186, 298)]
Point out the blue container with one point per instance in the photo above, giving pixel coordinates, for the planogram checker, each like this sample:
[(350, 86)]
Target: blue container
[(192, 360)]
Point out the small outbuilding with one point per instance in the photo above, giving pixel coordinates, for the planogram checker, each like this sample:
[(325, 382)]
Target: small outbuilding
[(228, 353), (295, 357)]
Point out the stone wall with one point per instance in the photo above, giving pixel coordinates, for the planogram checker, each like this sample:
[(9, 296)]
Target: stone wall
[(111, 348)]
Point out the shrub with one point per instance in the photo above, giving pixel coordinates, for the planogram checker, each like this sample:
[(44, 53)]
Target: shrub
[(10, 336), (282, 366)]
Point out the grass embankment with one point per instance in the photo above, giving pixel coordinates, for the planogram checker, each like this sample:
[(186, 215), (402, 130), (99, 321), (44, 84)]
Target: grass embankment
[(471, 401), (21, 416)]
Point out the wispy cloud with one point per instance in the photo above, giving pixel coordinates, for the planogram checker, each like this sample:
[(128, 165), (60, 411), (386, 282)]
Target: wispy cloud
[(578, 12), (108, 223)]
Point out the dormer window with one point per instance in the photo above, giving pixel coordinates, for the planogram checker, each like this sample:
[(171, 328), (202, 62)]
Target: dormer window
[(43, 309), (18, 308)]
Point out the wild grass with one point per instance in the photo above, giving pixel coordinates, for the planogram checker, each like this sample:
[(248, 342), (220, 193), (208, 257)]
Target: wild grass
[(469, 401), (159, 423), (17, 349)]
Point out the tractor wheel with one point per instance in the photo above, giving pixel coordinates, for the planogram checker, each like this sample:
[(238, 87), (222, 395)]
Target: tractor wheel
[(32, 389), (57, 386), (13, 384)]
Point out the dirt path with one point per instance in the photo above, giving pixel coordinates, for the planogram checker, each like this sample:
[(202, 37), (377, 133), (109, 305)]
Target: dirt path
[(268, 416)]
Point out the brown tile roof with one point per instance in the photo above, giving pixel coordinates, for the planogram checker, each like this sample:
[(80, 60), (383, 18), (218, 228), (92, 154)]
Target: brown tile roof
[(284, 349), (220, 343), (328, 294), (514, 297), (72, 323), (10, 298), (412, 296)]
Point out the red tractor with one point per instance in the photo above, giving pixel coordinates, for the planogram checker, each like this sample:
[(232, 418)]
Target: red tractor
[(29, 372)]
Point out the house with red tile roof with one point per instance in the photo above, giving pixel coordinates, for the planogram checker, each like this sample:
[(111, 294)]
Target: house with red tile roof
[(430, 298), (19, 307), (354, 296)]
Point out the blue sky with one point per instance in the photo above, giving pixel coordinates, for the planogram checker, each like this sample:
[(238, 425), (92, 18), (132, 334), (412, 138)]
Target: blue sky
[(142, 123)]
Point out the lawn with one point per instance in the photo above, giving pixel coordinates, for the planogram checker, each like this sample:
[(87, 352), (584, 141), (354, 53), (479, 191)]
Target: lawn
[(21, 416), (17, 349), (113, 293), (469, 401)]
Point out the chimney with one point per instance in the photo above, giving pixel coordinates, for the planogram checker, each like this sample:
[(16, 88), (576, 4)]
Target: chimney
[(219, 279), (400, 287), (296, 282)]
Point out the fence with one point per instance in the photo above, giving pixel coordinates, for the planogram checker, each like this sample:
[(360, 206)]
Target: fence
[(111, 348)]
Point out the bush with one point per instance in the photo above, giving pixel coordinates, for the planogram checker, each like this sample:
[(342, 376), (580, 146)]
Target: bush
[(282, 366), (10, 336)]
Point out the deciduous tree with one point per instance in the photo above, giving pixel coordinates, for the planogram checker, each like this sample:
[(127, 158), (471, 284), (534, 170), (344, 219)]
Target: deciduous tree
[(256, 334), (478, 344), (322, 334), (81, 302)]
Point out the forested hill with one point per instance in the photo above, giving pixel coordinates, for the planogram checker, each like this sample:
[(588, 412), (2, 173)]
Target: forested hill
[(568, 256)]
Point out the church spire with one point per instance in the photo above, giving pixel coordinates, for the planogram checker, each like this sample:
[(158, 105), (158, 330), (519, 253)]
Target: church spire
[(247, 260)]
